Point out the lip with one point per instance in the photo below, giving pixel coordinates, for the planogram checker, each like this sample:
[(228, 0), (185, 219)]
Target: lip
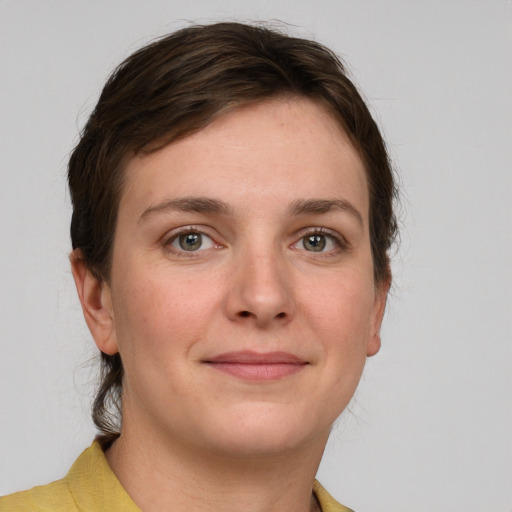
[(257, 366)]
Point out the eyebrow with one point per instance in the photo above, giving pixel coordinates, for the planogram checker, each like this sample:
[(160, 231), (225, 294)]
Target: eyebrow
[(320, 206), (215, 206), (189, 204)]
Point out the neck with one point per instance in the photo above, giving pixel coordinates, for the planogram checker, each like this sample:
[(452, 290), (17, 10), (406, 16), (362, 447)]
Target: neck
[(167, 476)]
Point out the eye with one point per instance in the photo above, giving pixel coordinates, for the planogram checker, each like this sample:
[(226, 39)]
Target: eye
[(191, 241), (319, 242)]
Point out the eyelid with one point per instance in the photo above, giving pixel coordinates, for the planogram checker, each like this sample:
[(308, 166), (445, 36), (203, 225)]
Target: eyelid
[(173, 234), (339, 239)]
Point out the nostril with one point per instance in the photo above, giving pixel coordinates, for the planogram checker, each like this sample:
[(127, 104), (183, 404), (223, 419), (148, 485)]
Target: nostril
[(247, 314)]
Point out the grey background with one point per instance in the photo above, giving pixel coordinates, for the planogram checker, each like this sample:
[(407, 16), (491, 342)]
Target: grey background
[(430, 427)]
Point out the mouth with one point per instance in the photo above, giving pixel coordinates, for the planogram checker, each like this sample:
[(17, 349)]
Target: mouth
[(255, 366)]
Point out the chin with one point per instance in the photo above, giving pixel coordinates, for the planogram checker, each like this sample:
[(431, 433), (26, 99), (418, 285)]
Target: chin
[(269, 434)]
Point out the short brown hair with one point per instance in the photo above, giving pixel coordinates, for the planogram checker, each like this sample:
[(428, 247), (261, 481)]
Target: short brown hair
[(176, 86)]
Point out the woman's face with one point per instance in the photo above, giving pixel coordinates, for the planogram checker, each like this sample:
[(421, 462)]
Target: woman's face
[(241, 297)]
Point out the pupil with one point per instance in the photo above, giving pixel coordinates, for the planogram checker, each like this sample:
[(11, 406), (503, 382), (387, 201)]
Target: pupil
[(190, 241), (314, 243)]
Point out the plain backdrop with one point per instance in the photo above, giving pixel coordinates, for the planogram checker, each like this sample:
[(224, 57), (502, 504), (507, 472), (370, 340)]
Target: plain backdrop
[(430, 427)]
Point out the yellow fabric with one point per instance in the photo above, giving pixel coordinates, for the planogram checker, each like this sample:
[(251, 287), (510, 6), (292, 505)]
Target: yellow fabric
[(91, 486), (326, 501)]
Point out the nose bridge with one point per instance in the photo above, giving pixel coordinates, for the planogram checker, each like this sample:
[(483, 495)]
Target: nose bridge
[(262, 289)]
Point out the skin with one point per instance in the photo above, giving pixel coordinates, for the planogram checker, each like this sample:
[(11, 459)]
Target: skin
[(195, 436)]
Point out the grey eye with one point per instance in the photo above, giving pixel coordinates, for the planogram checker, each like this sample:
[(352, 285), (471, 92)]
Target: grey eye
[(192, 241), (315, 243)]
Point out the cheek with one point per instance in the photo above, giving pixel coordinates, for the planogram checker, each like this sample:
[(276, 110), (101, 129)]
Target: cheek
[(161, 311), (342, 316)]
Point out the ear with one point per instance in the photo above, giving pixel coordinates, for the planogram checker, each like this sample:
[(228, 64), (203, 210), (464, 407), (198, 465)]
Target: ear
[(379, 306), (96, 304)]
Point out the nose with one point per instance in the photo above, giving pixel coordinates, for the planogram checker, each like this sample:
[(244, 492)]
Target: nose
[(261, 290)]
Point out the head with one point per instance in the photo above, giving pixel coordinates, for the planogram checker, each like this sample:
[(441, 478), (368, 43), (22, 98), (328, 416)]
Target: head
[(178, 86)]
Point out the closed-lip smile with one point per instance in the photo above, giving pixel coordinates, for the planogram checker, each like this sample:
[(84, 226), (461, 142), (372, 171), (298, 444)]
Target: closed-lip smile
[(257, 366)]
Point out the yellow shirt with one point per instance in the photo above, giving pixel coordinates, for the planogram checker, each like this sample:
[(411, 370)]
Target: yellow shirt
[(91, 486)]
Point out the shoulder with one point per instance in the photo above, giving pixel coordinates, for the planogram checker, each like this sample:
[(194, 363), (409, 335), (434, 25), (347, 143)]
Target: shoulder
[(54, 497), (89, 485), (326, 501)]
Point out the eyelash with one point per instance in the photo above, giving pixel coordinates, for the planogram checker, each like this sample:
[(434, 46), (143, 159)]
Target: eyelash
[(187, 230), (339, 241)]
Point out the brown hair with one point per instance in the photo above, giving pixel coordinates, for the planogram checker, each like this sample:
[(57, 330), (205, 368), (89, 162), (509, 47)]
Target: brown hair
[(176, 86)]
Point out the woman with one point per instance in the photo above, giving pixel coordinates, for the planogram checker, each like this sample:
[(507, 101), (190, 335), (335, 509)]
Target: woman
[(232, 213)]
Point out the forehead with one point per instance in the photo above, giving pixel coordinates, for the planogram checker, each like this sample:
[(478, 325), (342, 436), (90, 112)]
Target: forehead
[(281, 149)]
